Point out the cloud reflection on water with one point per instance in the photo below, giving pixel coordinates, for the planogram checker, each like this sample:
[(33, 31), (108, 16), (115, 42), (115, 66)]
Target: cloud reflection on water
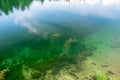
[(102, 8), (22, 20)]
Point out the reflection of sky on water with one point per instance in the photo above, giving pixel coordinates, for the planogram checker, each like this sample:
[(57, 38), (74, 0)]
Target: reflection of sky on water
[(108, 9), (33, 18), (105, 8), (51, 16), (97, 7)]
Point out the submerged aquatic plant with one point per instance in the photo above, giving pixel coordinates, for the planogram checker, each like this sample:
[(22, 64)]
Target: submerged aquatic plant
[(2, 73), (66, 47), (65, 76), (25, 52), (81, 57), (26, 71), (32, 63), (100, 75)]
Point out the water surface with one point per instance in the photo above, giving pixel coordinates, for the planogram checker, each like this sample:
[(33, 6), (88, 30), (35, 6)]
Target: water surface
[(47, 35)]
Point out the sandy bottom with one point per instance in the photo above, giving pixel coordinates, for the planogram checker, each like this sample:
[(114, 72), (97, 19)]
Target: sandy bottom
[(106, 55)]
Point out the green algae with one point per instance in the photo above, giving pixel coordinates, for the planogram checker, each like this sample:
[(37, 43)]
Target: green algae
[(40, 59)]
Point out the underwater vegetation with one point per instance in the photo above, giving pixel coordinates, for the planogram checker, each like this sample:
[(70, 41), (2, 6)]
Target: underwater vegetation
[(33, 62), (67, 45), (100, 75), (2, 73)]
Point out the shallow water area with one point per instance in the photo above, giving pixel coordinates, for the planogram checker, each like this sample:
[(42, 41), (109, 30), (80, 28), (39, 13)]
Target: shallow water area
[(59, 40)]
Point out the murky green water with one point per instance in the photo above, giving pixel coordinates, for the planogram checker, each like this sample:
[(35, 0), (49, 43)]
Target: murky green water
[(40, 38)]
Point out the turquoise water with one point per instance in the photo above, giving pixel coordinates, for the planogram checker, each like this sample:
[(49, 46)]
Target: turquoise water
[(38, 36)]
